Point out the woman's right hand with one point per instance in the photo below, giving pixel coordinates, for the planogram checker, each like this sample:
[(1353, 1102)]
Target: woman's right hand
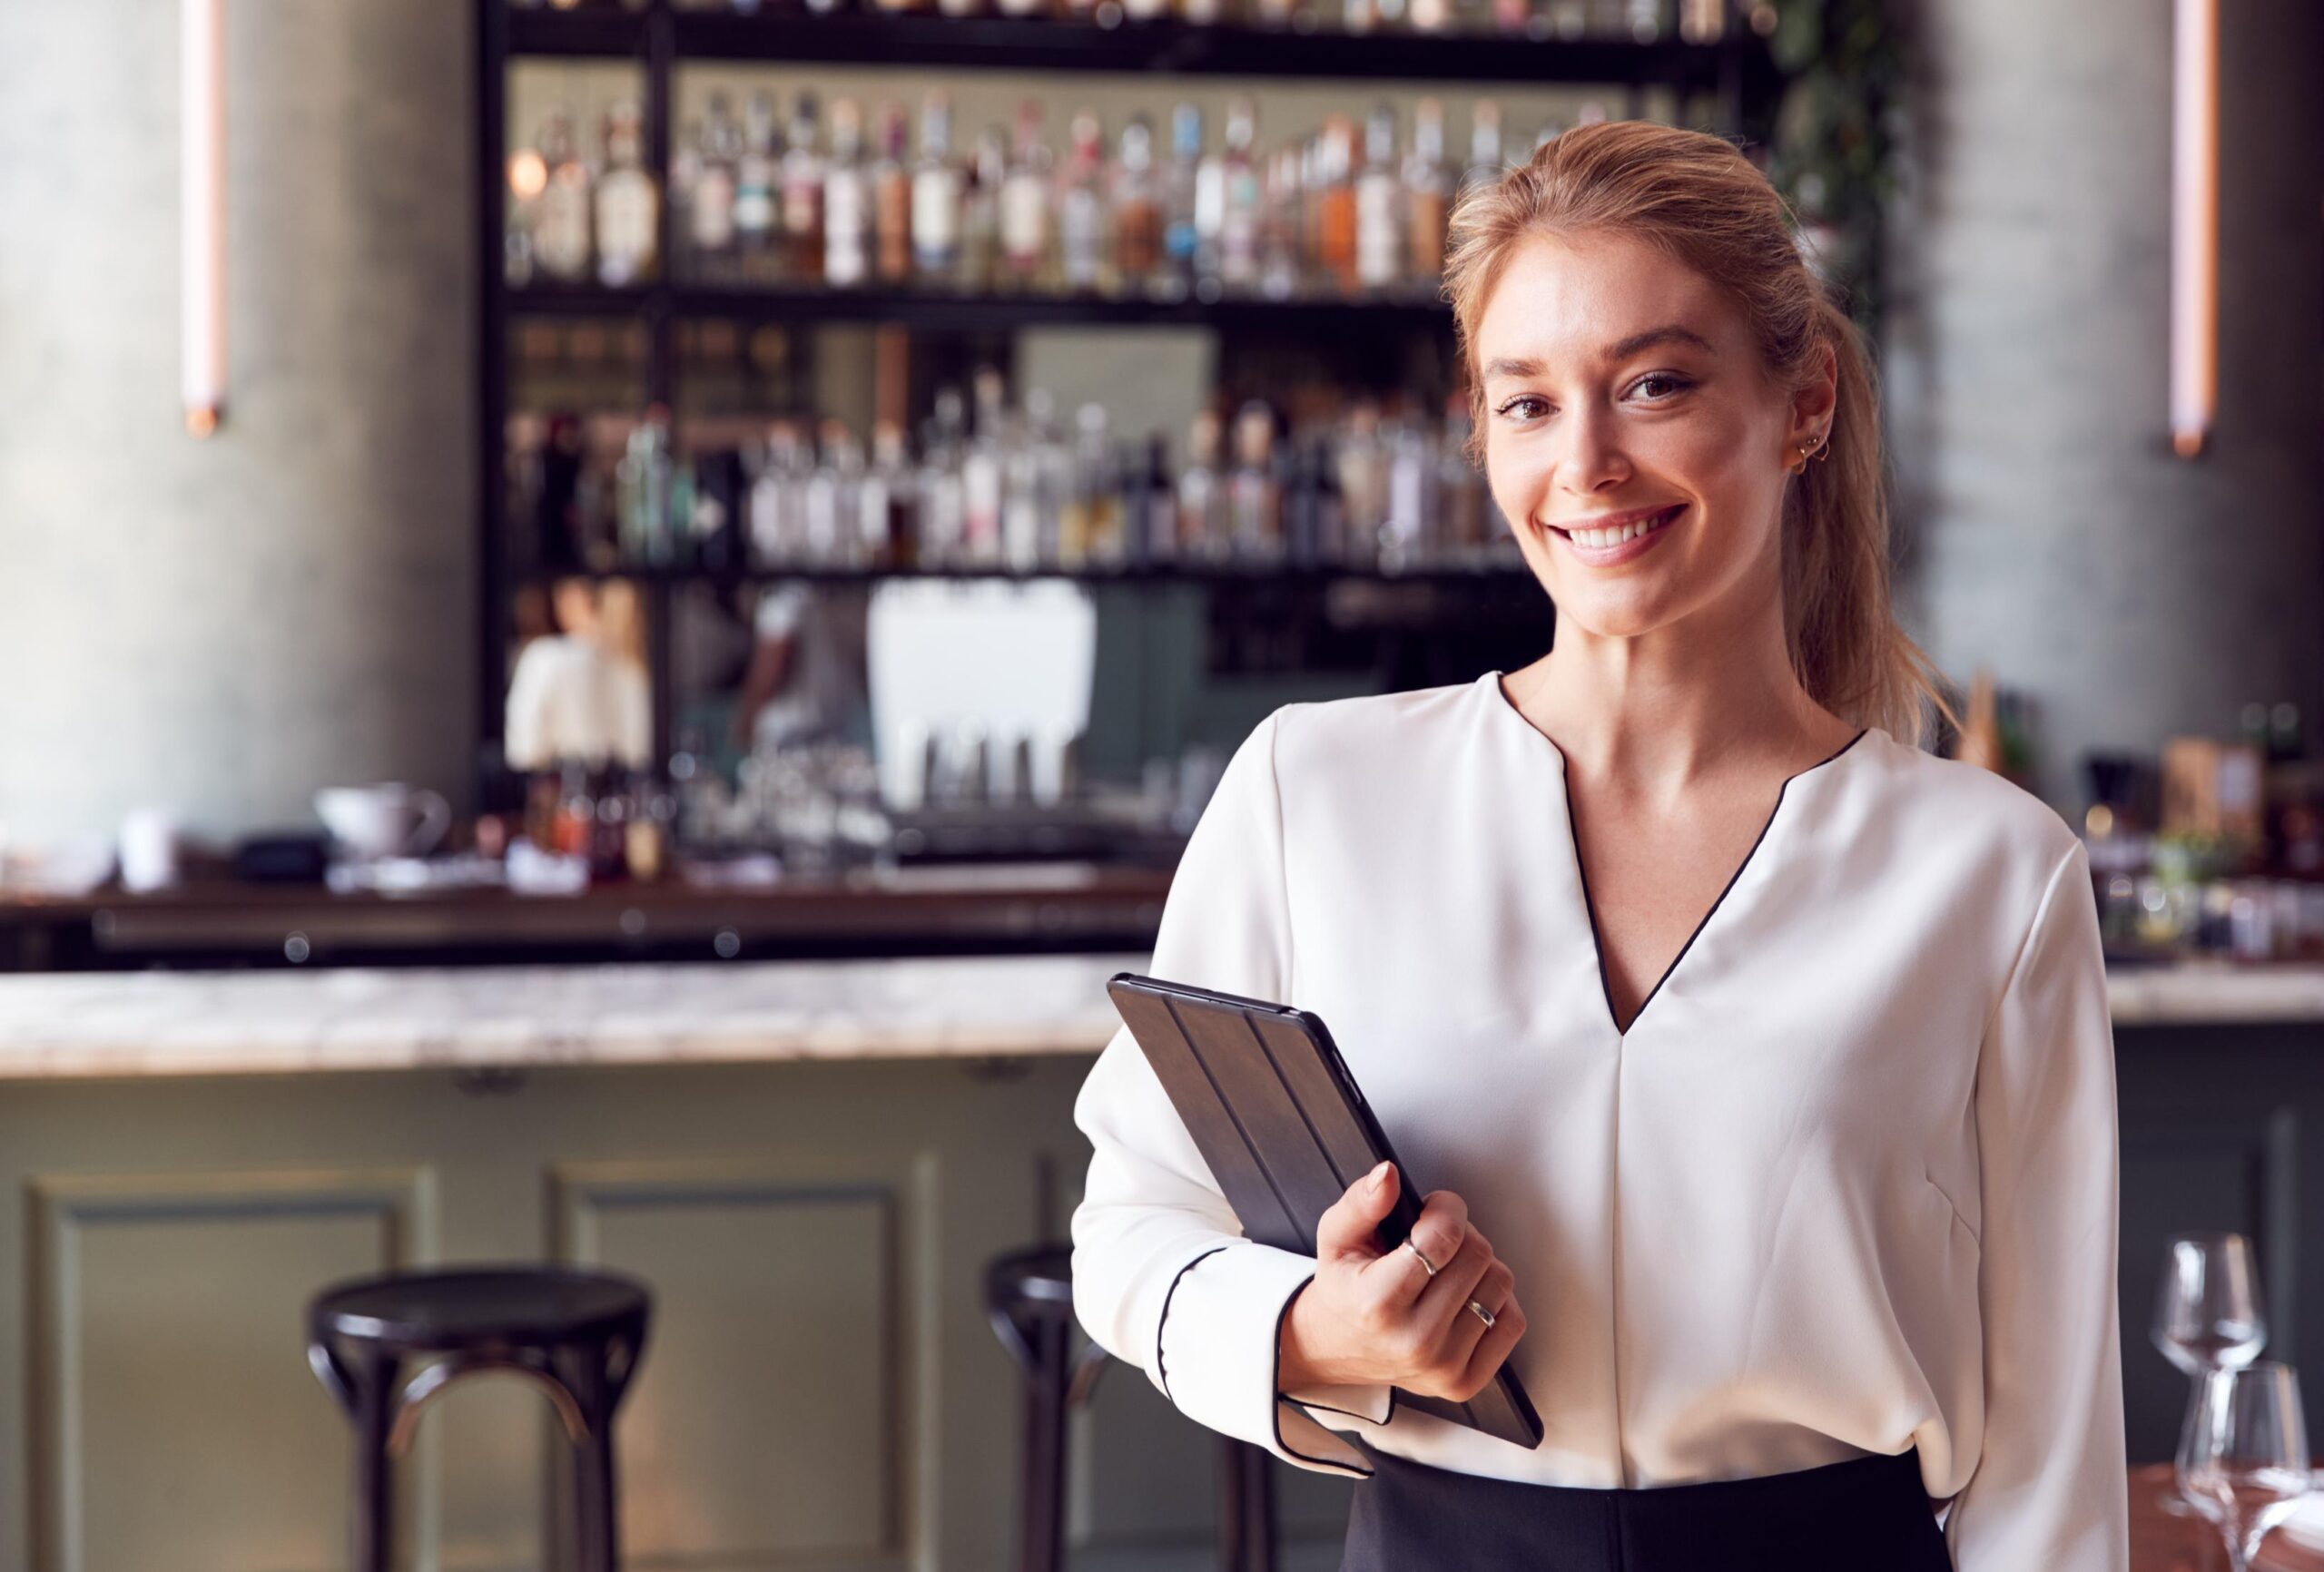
[(1370, 1317)]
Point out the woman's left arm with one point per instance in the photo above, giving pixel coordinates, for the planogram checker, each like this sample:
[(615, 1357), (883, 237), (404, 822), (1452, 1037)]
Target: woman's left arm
[(2051, 1488)]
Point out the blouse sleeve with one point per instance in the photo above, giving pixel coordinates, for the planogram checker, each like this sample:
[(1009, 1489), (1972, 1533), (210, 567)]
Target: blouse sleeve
[(2051, 1487), (1162, 1275)]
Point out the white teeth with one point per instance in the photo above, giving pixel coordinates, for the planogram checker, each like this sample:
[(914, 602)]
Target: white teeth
[(1606, 538)]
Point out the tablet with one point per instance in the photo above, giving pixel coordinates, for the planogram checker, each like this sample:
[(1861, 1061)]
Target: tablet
[(1262, 1089)]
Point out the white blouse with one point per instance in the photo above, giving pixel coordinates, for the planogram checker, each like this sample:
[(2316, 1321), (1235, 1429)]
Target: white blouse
[(1846, 1186)]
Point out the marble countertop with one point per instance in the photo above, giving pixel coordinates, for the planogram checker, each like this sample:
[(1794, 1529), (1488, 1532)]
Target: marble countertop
[(64, 1025)]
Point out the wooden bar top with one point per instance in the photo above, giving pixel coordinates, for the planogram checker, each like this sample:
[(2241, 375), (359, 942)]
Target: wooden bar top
[(2162, 1542)]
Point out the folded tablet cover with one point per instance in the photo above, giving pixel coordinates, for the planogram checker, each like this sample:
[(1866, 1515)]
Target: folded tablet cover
[(1272, 1108)]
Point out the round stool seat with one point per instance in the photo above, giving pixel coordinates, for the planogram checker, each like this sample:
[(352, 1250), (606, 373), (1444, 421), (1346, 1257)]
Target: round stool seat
[(483, 1307), (1026, 1278)]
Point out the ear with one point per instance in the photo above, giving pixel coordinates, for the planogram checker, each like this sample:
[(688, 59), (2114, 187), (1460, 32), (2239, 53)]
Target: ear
[(1812, 407)]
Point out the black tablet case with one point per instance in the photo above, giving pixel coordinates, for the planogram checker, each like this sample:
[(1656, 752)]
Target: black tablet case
[(1271, 1106)]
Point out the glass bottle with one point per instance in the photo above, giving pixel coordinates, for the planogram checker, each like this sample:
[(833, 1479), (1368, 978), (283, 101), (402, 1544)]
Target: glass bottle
[(1202, 494), (1081, 207), (942, 491), (979, 249), (1484, 146), (709, 214), (1333, 204), (1179, 184), (1136, 215), (1025, 198), (757, 214), (1282, 254), (1236, 229), (892, 199), (627, 204), (980, 475), (1424, 188), (935, 194), (1379, 192), (803, 194), (847, 204), (1091, 528), (1254, 493), (562, 220), (884, 503)]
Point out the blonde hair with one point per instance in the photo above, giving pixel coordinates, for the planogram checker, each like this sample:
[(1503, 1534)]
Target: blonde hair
[(1699, 201)]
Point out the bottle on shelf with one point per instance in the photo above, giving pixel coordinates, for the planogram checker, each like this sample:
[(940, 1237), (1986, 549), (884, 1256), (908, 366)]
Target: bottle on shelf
[(710, 203), (1424, 194), (1282, 226), (1255, 490), (891, 185), (981, 473), (1178, 194), (563, 219), (935, 194), (1333, 206), (1202, 532), (943, 482), (1380, 249), (886, 504), (847, 201), (628, 224), (1234, 234), (802, 184), (757, 213), (1136, 216), (980, 250), (1092, 528), (1083, 239), (1484, 147), (1026, 196)]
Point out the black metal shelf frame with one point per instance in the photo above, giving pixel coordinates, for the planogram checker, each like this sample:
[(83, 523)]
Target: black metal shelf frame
[(1737, 69)]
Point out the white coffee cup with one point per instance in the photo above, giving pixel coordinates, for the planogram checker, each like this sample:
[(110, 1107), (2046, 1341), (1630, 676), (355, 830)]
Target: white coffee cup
[(149, 849), (391, 819)]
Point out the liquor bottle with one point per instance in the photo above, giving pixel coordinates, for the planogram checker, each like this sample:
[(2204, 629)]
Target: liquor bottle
[(1090, 528), (1645, 19), (1025, 196), (979, 265), (1379, 191), (627, 205), (1362, 474), (980, 474), (1408, 533), (1024, 544), (642, 492), (847, 204), (943, 501), (1145, 10), (1424, 188), (1432, 16), (562, 220), (1150, 517), (1484, 147), (1203, 533), (1203, 13), (884, 503), (1081, 206), (892, 199), (1024, 8), (935, 194), (1253, 492), (1460, 486), (710, 211), (1136, 215), (1282, 255), (1226, 196), (1334, 205), (829, 509), (803, 194), (757, 214), (778, 499), (1702, 20), (1177, 198)]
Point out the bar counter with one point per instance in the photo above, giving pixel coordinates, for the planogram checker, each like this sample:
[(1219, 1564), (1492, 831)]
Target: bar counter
[(811, 1162)]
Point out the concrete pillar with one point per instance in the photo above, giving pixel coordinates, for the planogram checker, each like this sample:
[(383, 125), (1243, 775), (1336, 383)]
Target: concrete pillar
[(224, 626), (2055, 537)]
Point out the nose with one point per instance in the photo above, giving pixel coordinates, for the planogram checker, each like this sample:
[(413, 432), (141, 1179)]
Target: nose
[(1590, 457)]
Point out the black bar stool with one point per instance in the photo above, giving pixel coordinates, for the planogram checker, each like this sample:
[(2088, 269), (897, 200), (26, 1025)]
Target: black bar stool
[(575, 1334), (1028, 1294)]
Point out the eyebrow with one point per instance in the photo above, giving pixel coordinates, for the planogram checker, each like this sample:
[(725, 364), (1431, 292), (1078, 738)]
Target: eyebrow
[(1668, 333)]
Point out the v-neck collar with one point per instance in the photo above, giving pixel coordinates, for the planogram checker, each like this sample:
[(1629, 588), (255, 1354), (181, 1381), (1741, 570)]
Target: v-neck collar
[(1488, 687)]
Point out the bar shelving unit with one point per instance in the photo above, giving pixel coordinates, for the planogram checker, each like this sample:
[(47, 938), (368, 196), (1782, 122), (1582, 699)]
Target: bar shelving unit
[(1735, 74)]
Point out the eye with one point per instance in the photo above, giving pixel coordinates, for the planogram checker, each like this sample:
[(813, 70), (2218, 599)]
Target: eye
[(1510, 409), (1677, 384)]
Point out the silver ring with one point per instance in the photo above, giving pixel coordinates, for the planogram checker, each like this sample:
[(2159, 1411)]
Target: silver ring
[(1483, 1314), (1425, 1261)]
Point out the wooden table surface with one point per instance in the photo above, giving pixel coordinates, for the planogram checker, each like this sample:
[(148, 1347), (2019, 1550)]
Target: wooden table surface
[(2161, 1542)]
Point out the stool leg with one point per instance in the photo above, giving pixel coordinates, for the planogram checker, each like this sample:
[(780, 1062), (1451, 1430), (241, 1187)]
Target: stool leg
[(1246, 1538), (597, 1539), (375, 1500), (1042, 1532)]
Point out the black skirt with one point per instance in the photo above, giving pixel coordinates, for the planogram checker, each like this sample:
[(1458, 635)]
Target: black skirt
[(1851, 1517)]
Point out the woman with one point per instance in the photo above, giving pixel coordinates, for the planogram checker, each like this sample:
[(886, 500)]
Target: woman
[(1763, 1057)]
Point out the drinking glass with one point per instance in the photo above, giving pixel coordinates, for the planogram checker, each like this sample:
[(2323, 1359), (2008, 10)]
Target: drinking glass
[(2207, 1316), (2247, 1465)]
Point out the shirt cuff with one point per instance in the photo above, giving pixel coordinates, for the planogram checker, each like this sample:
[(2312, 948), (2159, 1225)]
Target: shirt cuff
[(1215, 1357)]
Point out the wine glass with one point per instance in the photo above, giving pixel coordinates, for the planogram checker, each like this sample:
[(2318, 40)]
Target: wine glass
[(2207, 1317), (2247, 1466)]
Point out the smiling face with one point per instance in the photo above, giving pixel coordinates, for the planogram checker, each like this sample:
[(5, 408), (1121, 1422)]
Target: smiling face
[(1619, 386)]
